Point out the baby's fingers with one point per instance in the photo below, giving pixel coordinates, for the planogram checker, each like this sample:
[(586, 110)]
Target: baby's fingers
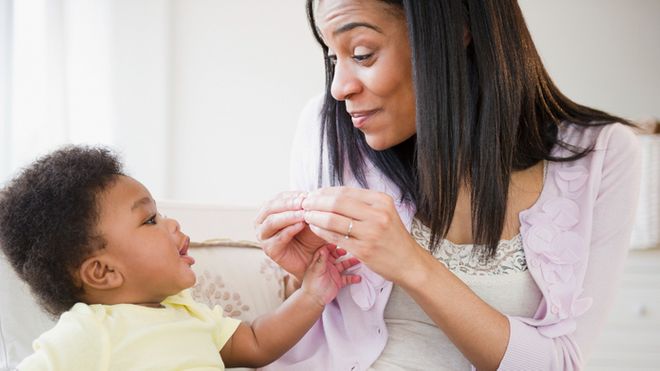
[(345, 264), (349, 279)]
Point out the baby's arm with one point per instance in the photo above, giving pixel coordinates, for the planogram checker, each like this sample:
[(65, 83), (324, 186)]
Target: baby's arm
[(271, 335)]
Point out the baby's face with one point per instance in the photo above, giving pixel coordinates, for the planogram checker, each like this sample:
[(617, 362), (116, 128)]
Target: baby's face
[(150, 250)]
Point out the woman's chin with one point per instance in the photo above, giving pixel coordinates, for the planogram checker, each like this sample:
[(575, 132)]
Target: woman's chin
[(380, 142), (377, 143)]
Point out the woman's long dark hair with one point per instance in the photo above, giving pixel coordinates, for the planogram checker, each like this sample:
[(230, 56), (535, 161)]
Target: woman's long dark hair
[(482, 112)]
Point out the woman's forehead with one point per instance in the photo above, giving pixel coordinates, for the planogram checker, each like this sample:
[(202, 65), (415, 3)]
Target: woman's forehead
[(331, 15)]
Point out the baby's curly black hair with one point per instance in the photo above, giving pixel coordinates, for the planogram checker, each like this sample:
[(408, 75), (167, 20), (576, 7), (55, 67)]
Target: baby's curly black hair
[(48, 219)]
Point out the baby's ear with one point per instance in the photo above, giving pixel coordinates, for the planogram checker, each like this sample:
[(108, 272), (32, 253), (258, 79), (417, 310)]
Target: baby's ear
[(100, 273)]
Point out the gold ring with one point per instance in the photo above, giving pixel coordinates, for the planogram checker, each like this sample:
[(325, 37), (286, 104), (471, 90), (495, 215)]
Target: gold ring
[(350, 228)]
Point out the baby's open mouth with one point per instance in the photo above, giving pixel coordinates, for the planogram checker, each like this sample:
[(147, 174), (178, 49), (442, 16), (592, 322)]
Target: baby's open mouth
[(183, 251), (184, 248)]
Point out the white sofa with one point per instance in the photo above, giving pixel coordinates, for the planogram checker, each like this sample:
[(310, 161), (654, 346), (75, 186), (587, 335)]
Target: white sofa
[(236, 275)]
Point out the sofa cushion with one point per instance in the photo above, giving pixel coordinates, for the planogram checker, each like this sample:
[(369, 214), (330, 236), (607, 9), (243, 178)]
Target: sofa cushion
[(237, 276)]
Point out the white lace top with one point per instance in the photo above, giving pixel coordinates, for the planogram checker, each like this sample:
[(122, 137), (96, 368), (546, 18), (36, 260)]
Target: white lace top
[(503, 281)]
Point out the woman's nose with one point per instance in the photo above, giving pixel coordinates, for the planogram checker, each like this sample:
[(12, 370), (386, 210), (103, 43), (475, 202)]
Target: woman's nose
[(344, 82)]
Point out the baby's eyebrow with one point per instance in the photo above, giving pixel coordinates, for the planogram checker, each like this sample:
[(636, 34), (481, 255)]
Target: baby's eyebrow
[(146, 200)]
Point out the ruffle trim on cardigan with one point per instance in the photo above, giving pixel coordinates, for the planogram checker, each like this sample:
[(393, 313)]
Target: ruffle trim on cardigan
[(555, 252)]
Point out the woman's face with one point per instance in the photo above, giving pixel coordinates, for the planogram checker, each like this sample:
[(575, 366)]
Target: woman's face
[(368, 43)]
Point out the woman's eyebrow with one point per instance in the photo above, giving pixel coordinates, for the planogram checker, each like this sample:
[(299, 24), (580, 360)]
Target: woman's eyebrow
[(350, 26)]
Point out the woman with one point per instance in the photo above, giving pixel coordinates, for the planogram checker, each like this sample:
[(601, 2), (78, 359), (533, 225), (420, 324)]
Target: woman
[(491, 213)]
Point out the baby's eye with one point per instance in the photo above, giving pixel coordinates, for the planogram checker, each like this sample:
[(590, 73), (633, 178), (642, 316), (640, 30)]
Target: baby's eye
[(151, 220)]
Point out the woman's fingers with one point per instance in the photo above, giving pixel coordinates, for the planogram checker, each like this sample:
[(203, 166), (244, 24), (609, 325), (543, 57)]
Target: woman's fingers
[(285, 201), (344, 210), (366, 196), (274, 245), (332, 237), (336, 199), (341, 225), (273, 223), (338, 204)]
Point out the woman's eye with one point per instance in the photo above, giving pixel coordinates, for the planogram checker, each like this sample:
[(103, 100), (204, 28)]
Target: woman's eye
[(362, 57)]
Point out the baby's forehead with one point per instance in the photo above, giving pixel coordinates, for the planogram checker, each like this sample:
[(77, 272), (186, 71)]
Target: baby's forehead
[(124, 185), (124, 194)]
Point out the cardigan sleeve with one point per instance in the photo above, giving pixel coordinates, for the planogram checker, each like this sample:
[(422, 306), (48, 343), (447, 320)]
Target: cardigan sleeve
[(613, 212)]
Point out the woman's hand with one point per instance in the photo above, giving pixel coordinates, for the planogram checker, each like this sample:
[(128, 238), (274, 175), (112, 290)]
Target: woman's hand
[(367, 225), (284, 235)]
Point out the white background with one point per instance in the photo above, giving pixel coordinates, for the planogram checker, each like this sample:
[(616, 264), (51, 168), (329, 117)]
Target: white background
[(201, 97)]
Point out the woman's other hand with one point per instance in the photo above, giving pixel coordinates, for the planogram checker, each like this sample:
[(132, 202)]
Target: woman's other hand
[(284, 235), (366, 224)]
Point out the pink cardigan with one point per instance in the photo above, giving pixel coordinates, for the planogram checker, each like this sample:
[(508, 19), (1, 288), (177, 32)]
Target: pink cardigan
[(575, 237)]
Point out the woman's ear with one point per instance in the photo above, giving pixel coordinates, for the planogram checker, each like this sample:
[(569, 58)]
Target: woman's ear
[(100, 273)]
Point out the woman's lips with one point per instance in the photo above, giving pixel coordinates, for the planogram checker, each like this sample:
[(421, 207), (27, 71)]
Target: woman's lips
[(360, 118)]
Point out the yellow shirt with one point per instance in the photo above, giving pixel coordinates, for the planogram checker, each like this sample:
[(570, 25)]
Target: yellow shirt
[(183, 335)]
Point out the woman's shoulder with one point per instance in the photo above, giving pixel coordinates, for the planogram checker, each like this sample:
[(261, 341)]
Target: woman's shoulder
[(313, 106), (615, 137), (305, 149), (309, 120), (614, 150)]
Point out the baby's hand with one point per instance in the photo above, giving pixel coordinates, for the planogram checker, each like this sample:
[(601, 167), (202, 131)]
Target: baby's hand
[(325, 276)]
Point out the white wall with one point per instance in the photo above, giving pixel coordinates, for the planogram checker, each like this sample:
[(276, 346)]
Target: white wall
[(202, 96), (603, 53), (5, 81), (141, 76), (243, 70), (92, 72)]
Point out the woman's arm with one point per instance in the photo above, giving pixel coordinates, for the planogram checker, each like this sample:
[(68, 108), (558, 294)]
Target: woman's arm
[(613, 219), (271, 335), (479, 331)]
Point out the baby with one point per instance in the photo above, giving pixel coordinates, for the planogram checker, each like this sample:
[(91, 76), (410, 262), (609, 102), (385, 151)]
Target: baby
[(90, 243)]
